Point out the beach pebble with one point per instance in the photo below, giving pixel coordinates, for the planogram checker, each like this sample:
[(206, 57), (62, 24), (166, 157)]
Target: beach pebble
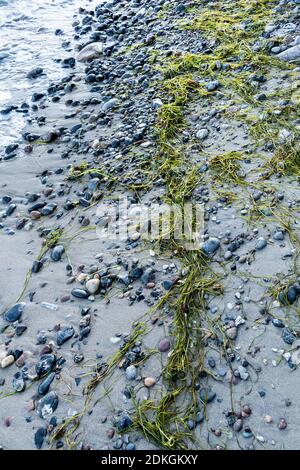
[(268, 419), (202, 134), (57, 252), (123, 423), (80, 293), (92, 286), (131, 372), (287, 336), (44, 386), (149, 382), (47, 405), (45, 364), (164, 345), (231, 333), (7, 361), (282, 424), (18, 383), (207, 395), (39, 437), (210, 246), (14, 313), (64, 335), (90, 52), (261, 243)]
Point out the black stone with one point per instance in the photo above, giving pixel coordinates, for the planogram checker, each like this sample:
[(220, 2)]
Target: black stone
[(79, 293), (46, 364), (57, 252), (14, 313), (64, 335), (47, 405), (123, 423), (39, 437), (44, 386)]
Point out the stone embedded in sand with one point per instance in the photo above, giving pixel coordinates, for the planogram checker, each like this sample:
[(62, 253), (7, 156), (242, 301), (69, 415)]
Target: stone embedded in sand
[(210, 246), (7, 361), (231, 333), (207, 395), (149, 382), (90, 52), (268, 419), (110, 104), (164, 345), (14, 313), (39, 437), (291, 54), (92, 286), (261, 243), (202, 134)]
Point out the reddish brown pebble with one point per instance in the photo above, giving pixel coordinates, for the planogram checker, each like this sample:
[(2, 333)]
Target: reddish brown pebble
[(35, 215), (282, 424), (21, 360), (46, 349), (48, 191), (150, 285), (30, 406), (65, 298)]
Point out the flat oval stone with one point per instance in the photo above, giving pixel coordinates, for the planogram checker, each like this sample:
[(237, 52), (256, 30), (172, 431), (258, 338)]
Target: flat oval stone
[(80, 293), (149, 382), (14, 313), (261, 244), (207, 395), (7, 361), (164, 345), (57, 252), (131, 372)]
